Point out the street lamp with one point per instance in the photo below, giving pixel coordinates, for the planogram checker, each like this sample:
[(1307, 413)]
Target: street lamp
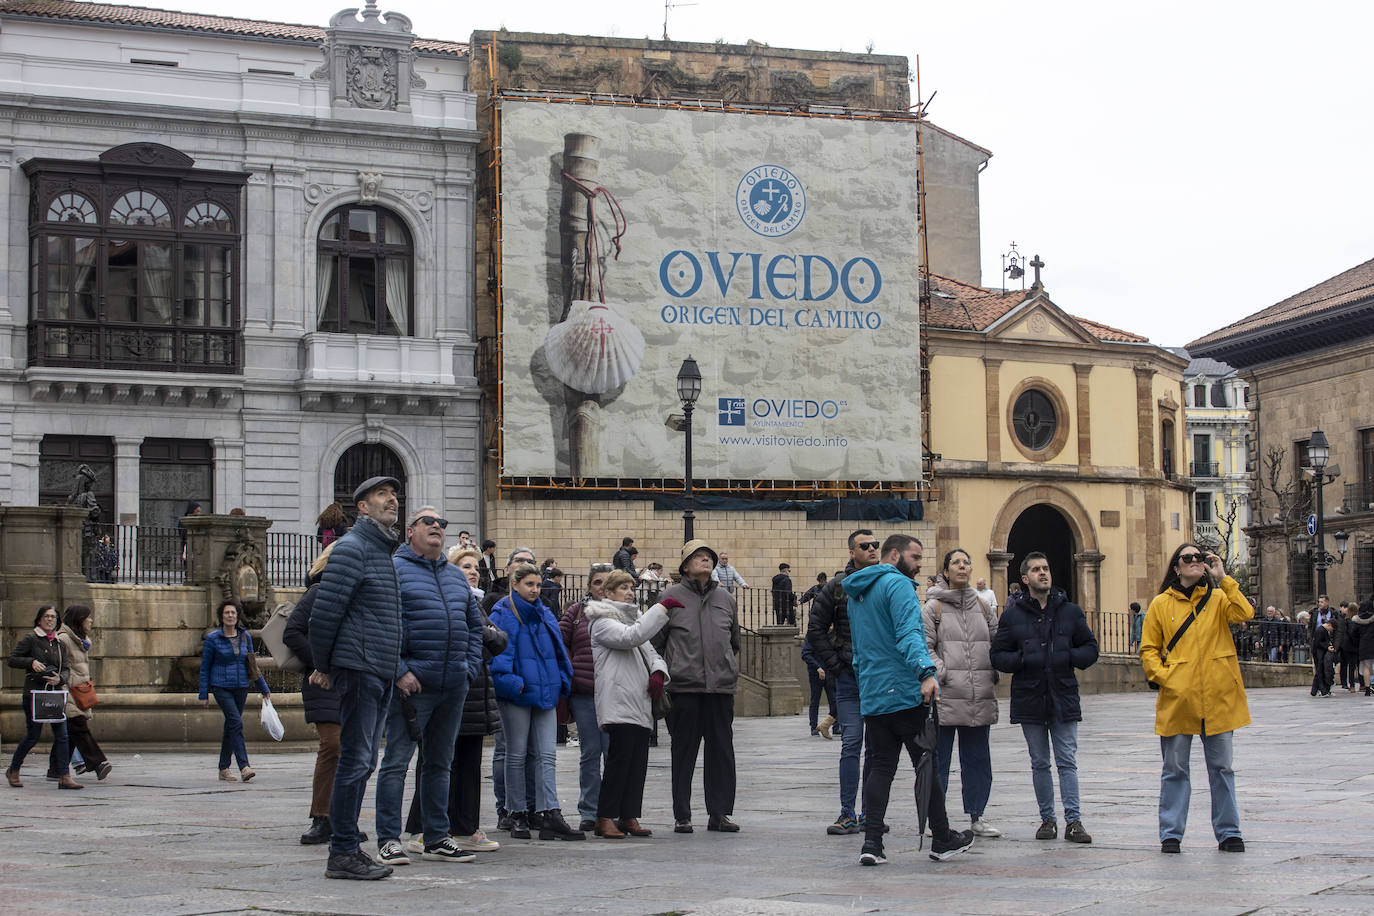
[(688, 390), (1318, 454)]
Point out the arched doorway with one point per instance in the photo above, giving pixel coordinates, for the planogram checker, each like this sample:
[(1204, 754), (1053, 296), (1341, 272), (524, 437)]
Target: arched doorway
[(1042, 527), (358, 463)]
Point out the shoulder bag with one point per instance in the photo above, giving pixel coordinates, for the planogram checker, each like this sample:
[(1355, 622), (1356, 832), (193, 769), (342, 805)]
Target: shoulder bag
[(83, 695)]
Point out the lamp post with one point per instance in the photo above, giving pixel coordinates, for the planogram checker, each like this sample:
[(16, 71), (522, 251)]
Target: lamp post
[(688, 390), (1318, 454)]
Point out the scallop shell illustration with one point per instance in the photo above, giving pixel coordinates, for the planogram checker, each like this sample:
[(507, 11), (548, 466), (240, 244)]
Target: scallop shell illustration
[(596, 349)]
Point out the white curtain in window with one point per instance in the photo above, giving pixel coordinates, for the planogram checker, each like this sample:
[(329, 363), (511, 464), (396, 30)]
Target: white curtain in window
[(85, 279), (324, 282), (398, 294), (156, 263)]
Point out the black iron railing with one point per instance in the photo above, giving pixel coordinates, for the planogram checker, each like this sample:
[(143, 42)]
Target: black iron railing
[(289, 557), (1359, 497), (135, 555), (1205, 469), (1257, 640)]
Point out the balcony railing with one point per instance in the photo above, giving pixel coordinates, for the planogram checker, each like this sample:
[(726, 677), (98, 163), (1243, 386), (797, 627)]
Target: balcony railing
[(110, 345), (1359, 497), (1205, 469), (1257, 640), (147, 555)]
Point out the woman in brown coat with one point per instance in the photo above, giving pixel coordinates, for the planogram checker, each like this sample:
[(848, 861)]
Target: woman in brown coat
[(75, 637), (959, 629)]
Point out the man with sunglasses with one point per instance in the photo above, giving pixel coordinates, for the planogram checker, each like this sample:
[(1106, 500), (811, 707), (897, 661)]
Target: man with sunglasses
[(441, 653), (828, 633)]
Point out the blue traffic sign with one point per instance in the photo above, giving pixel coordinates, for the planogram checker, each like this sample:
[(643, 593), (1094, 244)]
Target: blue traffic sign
[(1312, 524)]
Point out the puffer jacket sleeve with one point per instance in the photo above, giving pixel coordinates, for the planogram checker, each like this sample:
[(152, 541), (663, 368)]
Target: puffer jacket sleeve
[(207, 659), (1005, 651), (910, 633), (341, 578), (507, 682), (1083, 647), (477, 626), (296, 636), (933, 638), (616, 635)]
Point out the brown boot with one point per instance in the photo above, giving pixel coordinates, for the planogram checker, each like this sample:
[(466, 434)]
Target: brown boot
[(66, 782), (605, 827), (13, 776), (631, 826)]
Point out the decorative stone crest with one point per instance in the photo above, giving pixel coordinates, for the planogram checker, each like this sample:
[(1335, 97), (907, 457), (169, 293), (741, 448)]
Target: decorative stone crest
[(369, 61), (243, 575), (369, 184)]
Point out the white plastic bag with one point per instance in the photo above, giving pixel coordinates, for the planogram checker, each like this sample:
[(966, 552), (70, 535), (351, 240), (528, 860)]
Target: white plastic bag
[(271, 722)]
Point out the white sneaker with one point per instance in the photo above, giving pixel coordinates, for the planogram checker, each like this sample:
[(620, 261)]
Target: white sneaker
[(416, 843), (391, 853), (478, 842), (984, 829), (573, 742), (447, 851)]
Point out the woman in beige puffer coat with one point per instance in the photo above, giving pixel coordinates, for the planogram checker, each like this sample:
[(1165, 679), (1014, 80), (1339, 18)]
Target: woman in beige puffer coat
[(959, 630)]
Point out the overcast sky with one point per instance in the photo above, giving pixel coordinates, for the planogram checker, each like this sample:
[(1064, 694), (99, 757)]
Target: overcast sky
[(1177, 165)]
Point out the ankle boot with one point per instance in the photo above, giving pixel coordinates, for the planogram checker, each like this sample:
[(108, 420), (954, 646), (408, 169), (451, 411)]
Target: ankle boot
[(318, 833), (66, 782), (555, 828), (605, 828), (12, 775), (631, 826)]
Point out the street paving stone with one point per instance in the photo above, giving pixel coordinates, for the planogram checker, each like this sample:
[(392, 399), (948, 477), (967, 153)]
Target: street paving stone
[(163, 836)]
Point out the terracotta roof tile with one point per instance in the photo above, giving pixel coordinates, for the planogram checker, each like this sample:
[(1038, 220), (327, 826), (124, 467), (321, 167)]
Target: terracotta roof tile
[(1106, 332), (148, 17), (962, 306), (1331, 295)]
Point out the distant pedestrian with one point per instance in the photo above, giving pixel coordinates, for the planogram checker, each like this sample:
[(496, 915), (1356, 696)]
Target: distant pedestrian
[(1041, 638), (106, 560), (551, 589), (1137, 624), (1363, 621), (810, 594), (486, 567), (594, 743), (700, 645), (624, 558), (728, 577), (331, 525), (78, 622), (1200, 689), (988, 595), (784, 598), (1323, 658), (355, 638), (228, 669), (820, 682)]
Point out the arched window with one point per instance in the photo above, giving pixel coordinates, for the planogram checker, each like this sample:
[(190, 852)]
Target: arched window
[(365, 263), (133, 263), (361, 462)]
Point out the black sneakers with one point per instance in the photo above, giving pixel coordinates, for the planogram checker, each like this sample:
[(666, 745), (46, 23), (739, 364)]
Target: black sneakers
[(951, 844), (1170, 846), (844, 825), (1049, 829), (555, 828), (503, 819), (318, 832), (355, 866), (721, 823), (1075, 833), (1232, 844), (519, 825), (872, 855)]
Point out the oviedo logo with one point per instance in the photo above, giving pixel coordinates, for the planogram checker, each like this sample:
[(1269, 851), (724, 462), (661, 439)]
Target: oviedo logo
[(771, 200), (737, 411)]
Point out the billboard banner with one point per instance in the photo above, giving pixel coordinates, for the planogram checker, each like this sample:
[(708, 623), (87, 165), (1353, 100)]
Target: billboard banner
[(778, 251)]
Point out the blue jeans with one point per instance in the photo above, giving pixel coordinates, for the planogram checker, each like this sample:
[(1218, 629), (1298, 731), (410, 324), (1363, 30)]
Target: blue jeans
[(851, 737), (529, 729), (594, 745), (231, 701), (1064, 735), (1175, 786), (498, 770), (61, 747), (975, 765), (438, 713), (363, 702)]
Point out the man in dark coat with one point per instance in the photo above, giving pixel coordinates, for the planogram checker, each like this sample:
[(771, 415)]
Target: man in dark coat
[(625, 557), (355, 638), (828, 632), (784, 599), (1041, 638)]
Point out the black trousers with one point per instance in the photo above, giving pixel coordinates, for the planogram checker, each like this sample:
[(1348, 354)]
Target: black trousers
[(464, 789), (1324, 672), (694, 718), (1350, 669), (79, 736), (885, 736), (622, 779)]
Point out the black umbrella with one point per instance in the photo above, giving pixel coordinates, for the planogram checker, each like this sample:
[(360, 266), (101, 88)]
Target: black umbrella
[(926, 742)]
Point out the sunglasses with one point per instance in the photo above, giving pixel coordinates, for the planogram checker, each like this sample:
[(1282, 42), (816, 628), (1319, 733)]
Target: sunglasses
[(869, 545), (431, 520), (1192, 558)]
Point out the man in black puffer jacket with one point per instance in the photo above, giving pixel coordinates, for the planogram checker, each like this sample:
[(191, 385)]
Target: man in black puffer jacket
[(1041, 638), (355, 638), (828, 632)]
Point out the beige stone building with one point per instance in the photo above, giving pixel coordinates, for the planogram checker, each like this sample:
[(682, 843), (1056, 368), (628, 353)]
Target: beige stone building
[(1058, 434), (1309, 364)]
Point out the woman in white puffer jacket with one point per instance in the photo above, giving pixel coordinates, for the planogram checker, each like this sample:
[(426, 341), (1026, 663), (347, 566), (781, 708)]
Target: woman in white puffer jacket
[(959, 630), (630, 674)]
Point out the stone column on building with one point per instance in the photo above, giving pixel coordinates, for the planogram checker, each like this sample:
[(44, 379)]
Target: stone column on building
[(127, 492), (1087, 566), (992, 410), (258, 289), (24, 448), (1084, 412), (1145, 420), (289, 249), (997, 574), (227, 556), (229, 488)]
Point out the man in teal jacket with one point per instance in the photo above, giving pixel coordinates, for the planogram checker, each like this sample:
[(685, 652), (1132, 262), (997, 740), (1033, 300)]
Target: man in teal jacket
[(897, 684)]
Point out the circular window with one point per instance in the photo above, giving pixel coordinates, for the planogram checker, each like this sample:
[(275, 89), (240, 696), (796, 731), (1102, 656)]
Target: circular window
[(1034, 420)]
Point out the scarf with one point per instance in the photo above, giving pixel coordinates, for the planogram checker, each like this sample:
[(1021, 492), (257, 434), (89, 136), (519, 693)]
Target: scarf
[(50, 637)]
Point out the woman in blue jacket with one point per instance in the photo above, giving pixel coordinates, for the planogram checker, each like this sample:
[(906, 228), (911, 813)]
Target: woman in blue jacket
[(530, 676), (224, 672)]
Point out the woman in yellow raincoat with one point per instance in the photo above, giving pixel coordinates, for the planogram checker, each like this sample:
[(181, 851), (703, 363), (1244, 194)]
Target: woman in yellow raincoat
[(1200, 689)]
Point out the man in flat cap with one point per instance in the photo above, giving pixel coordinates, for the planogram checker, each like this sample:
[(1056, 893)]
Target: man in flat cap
[(355, 638)]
